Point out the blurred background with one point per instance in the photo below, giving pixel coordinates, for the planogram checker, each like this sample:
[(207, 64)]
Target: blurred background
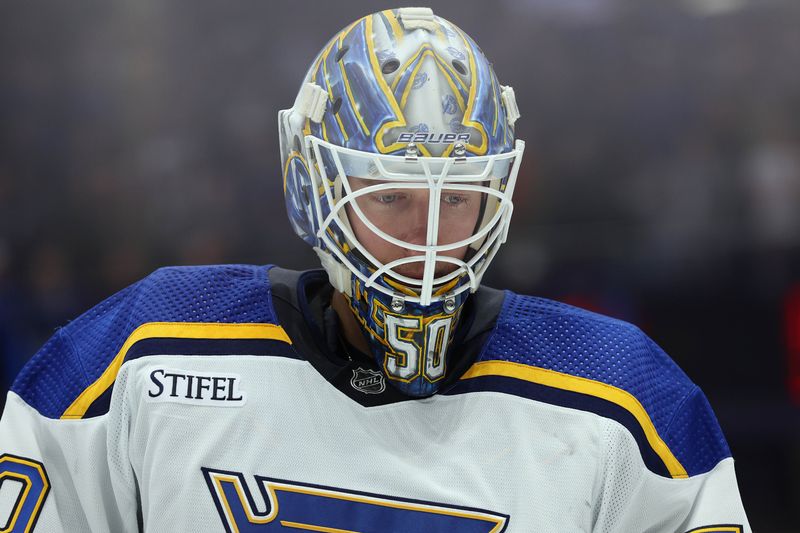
[(661, 182)]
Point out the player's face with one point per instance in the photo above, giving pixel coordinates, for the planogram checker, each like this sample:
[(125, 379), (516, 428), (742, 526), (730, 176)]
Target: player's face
[(403, 214)]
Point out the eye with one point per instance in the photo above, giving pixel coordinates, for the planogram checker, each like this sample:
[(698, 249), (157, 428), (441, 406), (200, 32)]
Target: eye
[(454, 199), (387, 198)]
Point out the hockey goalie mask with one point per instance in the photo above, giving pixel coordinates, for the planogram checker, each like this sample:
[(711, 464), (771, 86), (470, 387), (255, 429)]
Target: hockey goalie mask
[(399, 162)]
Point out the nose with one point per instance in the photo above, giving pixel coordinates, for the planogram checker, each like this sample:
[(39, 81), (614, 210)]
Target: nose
[(415, 224)]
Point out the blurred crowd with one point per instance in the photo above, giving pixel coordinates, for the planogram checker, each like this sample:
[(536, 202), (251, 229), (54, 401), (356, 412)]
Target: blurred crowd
[(661, 182)]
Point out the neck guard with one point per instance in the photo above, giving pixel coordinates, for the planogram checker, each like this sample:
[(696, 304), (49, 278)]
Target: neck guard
[(409, 341)]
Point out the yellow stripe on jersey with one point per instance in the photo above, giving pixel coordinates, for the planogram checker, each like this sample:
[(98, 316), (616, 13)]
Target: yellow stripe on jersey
[(590, 387), (717, 529), (309, 527), (173, 330)]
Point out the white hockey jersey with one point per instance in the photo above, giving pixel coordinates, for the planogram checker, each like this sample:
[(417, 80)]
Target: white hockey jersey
[(208, 399)]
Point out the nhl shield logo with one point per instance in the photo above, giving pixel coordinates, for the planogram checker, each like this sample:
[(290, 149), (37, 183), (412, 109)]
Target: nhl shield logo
[(368, 381)]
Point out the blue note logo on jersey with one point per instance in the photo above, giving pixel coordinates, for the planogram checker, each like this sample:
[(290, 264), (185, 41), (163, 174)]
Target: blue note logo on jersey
[(292, 506), (30, 480)]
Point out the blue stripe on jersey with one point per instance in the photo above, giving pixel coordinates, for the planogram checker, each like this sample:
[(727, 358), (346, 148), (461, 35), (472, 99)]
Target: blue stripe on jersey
[(216, 347), (555, 336), (78, 354), (570, 399), (162, 346)]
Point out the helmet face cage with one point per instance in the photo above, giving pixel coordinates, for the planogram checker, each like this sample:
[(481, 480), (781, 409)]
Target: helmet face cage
[(339, 200)]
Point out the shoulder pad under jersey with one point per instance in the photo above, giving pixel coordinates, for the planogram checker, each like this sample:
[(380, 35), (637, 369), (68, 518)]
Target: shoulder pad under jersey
[(72, 375), (556, 353)]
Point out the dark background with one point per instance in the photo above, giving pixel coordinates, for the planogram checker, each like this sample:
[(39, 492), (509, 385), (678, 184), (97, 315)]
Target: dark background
[(661, 180)]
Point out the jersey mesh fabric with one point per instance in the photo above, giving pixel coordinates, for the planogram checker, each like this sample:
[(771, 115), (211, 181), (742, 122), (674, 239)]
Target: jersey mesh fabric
[(696, 432), (621, 481), (118, 454), (559, 337), (79, 352)]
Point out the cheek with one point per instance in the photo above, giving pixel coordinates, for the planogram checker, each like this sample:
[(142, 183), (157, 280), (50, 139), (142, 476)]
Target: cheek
[(457, 227), (377, 246)]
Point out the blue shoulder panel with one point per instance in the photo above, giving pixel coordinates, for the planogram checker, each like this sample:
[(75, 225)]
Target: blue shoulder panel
[(554, 336), (78, 354)]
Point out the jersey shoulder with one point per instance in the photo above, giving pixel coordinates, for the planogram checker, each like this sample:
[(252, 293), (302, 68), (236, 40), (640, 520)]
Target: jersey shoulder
[(564, 354), (196, 305), (552, 335)]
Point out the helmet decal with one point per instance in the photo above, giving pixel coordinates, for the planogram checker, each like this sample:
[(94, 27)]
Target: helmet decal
[(371, 87)]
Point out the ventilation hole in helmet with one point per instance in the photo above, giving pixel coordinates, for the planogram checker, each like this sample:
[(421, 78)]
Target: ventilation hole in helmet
[(336, 105), (340, 54), (459, 66), (297, 146), (390, 66)]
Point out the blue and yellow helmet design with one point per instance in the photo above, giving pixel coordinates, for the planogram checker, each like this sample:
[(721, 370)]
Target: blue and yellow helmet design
[(399, 161)]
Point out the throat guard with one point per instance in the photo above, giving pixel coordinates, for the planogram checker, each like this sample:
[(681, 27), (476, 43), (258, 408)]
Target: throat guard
[(409, 341)]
